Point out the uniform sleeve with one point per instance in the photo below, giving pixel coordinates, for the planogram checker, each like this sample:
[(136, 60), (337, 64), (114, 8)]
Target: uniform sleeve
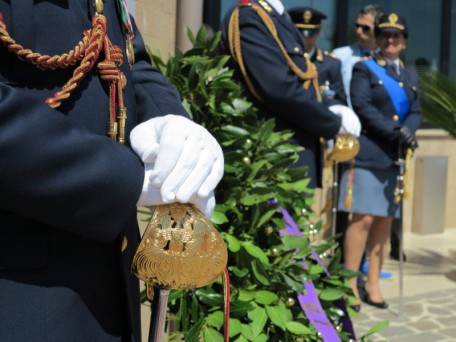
[(335, 75), (413, 119), (60, 174), (280, 89), (155, 96), (371, 118)]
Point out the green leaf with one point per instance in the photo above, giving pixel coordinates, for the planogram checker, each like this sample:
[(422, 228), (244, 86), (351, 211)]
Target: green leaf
[(266, 130), (246, 296), (259, 273), (194, 333), (296, 242), (235, 327), (378, 327), (211, 335), (331, 294), (236, 131), (279, 315), (259, 319), (256, 252), (265, 297), (246, 331), (216, 319), (298, 328), (266, 217), (299, 186), (256, 199), (219, 218), (233, 243)]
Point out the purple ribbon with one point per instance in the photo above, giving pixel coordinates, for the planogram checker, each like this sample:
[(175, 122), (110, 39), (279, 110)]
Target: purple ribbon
[(308, 300)]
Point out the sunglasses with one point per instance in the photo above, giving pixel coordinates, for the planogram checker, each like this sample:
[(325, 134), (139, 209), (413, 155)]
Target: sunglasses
[(365, 28)]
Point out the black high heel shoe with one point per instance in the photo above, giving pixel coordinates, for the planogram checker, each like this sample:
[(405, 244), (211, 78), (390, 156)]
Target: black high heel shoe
[(356, 307), (365, 297)]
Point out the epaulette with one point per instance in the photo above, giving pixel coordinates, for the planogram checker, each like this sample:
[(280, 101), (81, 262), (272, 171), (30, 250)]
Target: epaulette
[(265, 5), (330, 54), (365, 58), (380, 59)]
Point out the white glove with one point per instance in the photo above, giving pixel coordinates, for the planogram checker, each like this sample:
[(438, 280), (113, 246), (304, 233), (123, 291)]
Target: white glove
[(350, 121), (183, 162)]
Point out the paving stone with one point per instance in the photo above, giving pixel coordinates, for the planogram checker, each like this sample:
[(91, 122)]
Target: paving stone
[(449, 321), (390, 316), (420, 337), (438, 311), (442, 301), (398, 331), (424, 325), (414, 309), (451, 332)]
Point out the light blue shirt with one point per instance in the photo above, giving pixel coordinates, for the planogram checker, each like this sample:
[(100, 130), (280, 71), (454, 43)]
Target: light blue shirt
[(348, 56)]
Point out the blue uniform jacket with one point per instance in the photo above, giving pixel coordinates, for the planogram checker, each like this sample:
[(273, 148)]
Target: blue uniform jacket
[(329, 70), (284, 97), (68, 228), (377, 114)]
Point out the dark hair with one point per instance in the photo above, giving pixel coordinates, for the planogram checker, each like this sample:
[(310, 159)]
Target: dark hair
[(375, 10)]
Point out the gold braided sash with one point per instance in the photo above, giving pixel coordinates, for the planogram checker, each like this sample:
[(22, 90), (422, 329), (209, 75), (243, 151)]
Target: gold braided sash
[(86, 52), (234, 39)]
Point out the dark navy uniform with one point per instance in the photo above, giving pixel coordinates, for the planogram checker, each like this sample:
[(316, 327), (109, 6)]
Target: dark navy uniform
[(308, 21), (329, 76), (281, 91), (68, 227), (378, 115)]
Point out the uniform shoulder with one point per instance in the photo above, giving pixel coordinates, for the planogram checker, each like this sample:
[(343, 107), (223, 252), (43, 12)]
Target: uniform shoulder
[(330, 55)]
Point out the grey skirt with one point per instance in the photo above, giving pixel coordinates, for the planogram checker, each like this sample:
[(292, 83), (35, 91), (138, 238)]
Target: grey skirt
[(373, 192)]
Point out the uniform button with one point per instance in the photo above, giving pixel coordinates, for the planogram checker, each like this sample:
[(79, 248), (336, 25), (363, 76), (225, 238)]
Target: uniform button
[(296, 49), (380, 82), (401, 84), (396, 118), (414, 88), (124, 244)]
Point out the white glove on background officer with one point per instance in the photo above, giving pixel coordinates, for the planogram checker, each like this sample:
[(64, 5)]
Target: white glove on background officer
[(183, 162), (350, 121)]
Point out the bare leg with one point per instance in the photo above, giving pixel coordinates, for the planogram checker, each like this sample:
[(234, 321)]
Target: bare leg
[(378, 242), (355, 243)]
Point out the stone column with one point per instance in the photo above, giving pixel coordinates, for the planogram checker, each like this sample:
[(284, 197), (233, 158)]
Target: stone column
[(157, 21), (190, 14)]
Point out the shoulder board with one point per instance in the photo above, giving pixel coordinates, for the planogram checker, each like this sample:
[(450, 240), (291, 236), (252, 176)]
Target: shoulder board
[(265, 5), (365, 58), (380, 59), (330, 54)]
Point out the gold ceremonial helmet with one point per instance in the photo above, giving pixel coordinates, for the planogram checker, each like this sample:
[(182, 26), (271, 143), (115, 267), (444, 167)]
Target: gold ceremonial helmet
[(180, 249), (346, 147)]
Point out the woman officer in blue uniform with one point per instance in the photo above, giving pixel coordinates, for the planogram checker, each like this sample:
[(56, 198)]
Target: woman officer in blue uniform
[(385, 97)]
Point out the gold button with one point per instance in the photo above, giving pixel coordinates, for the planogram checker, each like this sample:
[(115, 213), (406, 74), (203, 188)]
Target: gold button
[(124, 244), (296, 49), (306, 55), (401, 84), (396, 118), (380, 82), (99, 6), (124, 80), (414, 88)]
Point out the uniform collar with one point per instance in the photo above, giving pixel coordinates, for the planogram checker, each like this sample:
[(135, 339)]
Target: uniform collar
[(277, 5)]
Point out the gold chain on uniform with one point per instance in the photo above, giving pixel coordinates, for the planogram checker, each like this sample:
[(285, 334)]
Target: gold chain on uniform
[(86, 52), (234, 39)]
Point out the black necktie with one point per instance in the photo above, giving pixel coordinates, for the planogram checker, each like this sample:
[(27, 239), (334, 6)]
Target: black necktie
[(395, 68)]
